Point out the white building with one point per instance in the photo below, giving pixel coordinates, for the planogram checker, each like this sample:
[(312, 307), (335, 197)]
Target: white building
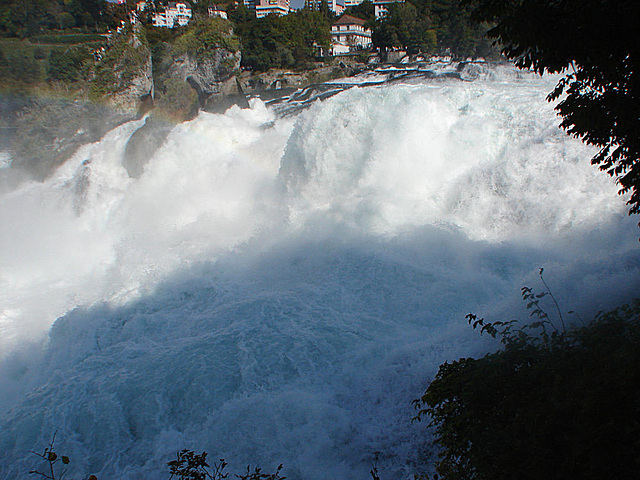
[(271, 7), (176, 13), (335, 6), (349, 33), (381, 7), (216, 11)]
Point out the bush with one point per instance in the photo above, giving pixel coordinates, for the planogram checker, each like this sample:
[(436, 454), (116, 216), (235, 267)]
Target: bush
[(562, 406), (189, 465), (206, 37), (66, 65), (126, 57), (19, 68), (68, 39)]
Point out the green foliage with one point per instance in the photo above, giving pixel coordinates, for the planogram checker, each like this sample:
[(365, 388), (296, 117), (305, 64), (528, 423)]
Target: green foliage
[(594, 44), (191, 466), (157, 36), (205, 37), (281, 42), (562, 405), (405, 27), (26, 18), (66, 66), (125, 58), (430, 26), (20, 67), (365, 11), (51, 458), (458, 33), (68, 39)]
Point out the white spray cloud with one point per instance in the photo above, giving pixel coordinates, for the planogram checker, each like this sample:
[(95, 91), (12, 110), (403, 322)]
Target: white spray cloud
[(279, 290)]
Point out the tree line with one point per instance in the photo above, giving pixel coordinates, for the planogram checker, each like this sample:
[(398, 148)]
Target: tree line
[(26, 18), (292, 41), (428, 26)]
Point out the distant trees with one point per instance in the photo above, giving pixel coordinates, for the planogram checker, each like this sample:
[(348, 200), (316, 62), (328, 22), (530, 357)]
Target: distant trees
[(457, 30), (66, 65), (20, 69), (25, 18), (428, 26), (364, 10), (205, 36), (291, 41), (405, 26)]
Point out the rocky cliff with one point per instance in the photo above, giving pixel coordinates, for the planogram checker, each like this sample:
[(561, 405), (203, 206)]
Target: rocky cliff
[(199, 70), (124, 76)]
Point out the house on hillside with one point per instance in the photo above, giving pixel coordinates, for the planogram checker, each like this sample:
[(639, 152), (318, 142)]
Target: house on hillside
[(176, 13), (381, 7), (216, 11), (336, 6), (349, 33), (271, 7)]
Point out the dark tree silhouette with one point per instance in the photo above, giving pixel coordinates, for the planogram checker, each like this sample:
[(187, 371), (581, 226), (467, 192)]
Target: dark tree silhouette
[(594, 44)]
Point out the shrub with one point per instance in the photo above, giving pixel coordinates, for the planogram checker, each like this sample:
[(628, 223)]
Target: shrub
[(66, 65), (559, 405), (190, 466), (206, 37)]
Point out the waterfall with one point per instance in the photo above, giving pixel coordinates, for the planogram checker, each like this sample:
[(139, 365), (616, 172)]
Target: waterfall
[(278, 288)]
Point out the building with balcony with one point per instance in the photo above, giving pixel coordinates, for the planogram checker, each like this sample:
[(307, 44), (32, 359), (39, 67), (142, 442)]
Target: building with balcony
[(176, 14), (336, 6), (349, 32), (216, 11), (268, 7), (381, 7)]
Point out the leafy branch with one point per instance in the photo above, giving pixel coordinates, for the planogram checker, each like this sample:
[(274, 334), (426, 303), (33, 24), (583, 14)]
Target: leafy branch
[(51, 457), (190, 466), (257, 474), (532, 333)]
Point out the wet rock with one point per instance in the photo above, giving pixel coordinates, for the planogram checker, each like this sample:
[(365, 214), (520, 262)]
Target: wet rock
[(144, 143)]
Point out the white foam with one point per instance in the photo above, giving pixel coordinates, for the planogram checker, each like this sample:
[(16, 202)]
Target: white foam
[(279, 290)]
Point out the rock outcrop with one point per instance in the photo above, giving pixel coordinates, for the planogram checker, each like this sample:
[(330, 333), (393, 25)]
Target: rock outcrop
[(144, 143), (124, 78), (137, 95), (190, 83), (206, 76)]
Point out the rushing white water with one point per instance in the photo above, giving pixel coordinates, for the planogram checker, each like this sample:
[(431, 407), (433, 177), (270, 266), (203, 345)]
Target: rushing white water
[(279, 289)]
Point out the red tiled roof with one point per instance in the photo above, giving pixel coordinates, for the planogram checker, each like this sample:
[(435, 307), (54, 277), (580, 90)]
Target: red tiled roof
[(349, 20)]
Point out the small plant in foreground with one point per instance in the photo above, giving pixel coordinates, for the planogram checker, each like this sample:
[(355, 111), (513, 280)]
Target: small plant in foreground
[(257, 474), (553, 403), (541, 331), (51, 458), (374, 469), (190, 466)]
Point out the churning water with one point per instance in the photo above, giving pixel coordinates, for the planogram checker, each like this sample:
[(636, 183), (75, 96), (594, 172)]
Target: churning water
[(279, 288)]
